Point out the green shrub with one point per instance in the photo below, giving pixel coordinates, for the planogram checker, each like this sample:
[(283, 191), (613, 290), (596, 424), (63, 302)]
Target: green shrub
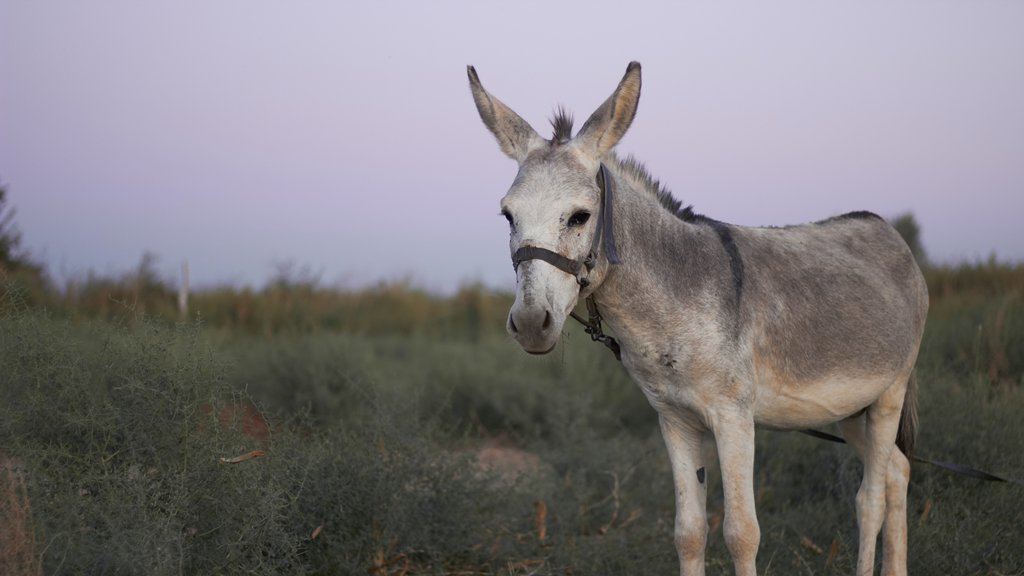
[(375, 442)]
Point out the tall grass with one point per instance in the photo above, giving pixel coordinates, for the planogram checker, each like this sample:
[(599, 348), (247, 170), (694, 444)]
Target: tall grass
[(420, 440)]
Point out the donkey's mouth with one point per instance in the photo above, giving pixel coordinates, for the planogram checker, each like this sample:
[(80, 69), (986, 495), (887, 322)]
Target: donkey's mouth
[(542, 352)]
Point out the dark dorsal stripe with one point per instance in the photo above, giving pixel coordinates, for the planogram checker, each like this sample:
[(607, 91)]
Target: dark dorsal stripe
[(733, 251), (858, 215)]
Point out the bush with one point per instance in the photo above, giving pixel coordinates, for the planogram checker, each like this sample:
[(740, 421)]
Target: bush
[(375, 445)]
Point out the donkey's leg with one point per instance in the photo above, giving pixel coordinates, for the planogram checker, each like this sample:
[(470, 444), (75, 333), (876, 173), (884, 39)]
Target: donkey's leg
[(684, 440), (734, 435), (881, 421), (894, 535)]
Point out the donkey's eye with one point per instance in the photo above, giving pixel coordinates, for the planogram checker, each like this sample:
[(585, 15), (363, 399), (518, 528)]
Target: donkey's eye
[(508, 216), (578, 219)]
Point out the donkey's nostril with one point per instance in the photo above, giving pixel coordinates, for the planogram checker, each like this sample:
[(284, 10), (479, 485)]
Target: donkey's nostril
[(547, 321), (512, 324)]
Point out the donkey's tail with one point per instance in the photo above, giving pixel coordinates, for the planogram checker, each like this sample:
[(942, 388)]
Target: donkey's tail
[(907, 433)]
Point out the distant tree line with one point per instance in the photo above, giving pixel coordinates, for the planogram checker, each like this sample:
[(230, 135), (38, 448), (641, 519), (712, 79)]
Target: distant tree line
[(907, 226), (18, 272)]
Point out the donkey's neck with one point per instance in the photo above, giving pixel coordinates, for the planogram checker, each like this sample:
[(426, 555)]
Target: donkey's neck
[(673, 269)]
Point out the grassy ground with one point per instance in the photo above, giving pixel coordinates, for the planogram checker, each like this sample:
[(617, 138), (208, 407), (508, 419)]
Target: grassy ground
[(409, 453)]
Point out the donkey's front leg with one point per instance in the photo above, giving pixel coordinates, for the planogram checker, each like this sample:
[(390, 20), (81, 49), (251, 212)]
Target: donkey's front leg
[(734, 435), (684, 439)]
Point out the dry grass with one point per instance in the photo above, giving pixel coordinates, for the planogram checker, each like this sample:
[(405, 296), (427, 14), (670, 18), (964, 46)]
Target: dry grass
[(19, 553), (375, 454)]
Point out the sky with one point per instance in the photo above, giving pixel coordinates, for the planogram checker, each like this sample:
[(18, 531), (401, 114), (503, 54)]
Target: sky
[(340, 137)]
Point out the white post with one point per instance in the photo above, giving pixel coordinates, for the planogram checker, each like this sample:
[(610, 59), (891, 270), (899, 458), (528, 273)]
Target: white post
[(183, 291)]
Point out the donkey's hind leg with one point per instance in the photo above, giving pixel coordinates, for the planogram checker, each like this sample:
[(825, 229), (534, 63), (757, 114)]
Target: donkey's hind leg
[(894, 529), (894, 536)]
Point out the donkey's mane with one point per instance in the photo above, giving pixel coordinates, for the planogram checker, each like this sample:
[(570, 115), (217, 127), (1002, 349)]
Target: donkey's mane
[(636, 170), (562, 121)]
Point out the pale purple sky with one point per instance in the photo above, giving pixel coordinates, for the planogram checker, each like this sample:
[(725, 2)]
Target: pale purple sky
[(235, 134)]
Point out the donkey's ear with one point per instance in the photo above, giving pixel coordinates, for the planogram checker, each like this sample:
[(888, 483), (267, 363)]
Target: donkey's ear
[(609, 122), (515, 136)]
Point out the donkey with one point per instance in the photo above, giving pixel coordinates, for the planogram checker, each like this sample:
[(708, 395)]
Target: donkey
[(722, 327)]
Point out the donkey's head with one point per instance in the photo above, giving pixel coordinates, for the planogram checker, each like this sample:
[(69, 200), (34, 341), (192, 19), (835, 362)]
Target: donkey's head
[(554, 206)]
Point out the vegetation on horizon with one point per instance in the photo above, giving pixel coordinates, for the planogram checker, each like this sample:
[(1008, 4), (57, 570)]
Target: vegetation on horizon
[(293, 301)]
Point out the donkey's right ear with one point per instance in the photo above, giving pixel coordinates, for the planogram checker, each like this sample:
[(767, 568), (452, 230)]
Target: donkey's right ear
[(608, 124), (516, 138)]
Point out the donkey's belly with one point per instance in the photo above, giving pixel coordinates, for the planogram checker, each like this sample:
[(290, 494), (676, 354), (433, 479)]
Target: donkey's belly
[(801, 405)]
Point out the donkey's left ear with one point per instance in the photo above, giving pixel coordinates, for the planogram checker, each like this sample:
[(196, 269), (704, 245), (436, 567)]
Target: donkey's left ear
[(607, 125), (516, 138)]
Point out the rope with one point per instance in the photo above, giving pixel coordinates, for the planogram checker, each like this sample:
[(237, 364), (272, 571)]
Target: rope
[(949, 466)]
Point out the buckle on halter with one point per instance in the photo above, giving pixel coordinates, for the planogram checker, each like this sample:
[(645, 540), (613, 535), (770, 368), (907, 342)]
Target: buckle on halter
[(588, 264)]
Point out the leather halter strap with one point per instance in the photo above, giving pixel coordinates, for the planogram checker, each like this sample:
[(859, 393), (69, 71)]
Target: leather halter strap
[(564, 264), (604, 232)]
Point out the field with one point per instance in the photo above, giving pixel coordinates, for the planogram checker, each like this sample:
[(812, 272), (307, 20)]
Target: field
[(391, 432)]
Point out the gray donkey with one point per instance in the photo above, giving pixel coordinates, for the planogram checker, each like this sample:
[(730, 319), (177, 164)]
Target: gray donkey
[(723, 327)]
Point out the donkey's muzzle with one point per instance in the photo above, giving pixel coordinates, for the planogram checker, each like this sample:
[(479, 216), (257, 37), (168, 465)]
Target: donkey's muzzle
[(533, 326)]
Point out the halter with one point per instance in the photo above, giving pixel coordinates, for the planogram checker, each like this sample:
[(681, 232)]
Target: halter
[(581, 269)]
